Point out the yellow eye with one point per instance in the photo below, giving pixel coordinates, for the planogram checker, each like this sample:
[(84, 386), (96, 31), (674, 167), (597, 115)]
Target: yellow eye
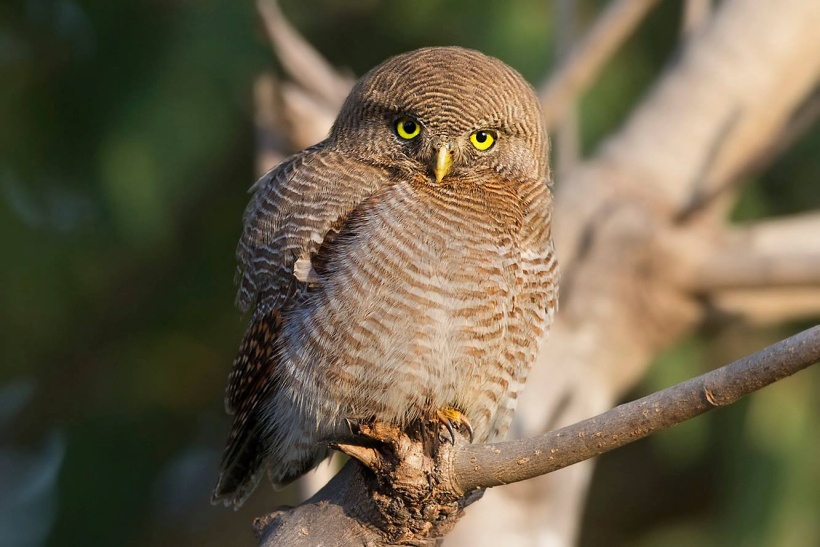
[(483, 140), (407, 128)]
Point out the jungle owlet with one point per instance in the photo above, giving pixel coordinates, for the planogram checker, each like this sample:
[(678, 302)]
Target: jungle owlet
[(401, 270)]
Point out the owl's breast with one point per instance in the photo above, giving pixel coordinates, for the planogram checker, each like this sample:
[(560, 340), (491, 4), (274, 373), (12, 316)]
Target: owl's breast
[(411, 309)]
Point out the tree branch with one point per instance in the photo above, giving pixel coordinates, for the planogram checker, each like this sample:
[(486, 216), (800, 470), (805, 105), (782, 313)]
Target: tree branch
[(302, 62), (581, 66), (488, 465), (747, 70), (764, 273), (768, 254), (412, 499), (767, 306), (311, 101), (270, 145)]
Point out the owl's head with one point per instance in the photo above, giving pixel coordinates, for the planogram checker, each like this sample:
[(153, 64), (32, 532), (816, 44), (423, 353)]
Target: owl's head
[(442, 114)]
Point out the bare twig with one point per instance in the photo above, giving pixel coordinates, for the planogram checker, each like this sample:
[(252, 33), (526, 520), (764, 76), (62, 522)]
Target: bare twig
[(485, 466), (413, 499), (581, 67)]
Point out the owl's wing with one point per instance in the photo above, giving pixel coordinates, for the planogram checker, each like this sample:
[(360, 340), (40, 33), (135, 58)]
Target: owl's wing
[(293, 208)]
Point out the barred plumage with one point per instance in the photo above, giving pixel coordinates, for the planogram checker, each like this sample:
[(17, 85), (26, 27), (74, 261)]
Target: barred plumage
[(379, 293)]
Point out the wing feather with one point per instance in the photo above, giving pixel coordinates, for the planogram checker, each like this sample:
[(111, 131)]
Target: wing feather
[(293, 208)]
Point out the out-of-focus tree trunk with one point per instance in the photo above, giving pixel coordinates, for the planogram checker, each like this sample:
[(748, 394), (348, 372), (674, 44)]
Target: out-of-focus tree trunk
[(631, 269), (640, 227)]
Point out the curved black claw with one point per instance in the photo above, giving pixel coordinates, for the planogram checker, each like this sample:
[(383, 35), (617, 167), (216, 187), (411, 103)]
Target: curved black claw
[(469, 427), (450, 429), (453, 419)]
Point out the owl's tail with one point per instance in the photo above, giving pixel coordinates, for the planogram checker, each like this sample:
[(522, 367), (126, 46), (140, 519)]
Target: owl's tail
[(288, 453), (242, 465)]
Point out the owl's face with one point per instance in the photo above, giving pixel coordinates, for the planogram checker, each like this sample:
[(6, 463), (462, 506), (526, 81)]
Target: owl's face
[(445, 114)]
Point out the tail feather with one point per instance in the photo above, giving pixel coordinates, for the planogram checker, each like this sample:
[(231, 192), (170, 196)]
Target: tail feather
[(288, 453), (251, 386), (267, 426), (241, 468)]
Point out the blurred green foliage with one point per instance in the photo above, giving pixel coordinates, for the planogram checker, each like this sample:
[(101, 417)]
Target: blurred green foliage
[(125, 152)]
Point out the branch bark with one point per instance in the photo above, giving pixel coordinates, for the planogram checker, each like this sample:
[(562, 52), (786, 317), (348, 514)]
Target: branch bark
[(312, 99), (414, 499), (695, 15), (721, 196)]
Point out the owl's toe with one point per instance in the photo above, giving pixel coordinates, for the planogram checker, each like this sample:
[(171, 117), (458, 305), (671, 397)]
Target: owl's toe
[(453, 419)]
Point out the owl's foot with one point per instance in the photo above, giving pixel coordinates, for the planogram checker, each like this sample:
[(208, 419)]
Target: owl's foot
[(454, 419), (367, 441)]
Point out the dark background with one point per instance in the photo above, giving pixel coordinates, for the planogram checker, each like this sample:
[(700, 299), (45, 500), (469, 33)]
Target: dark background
[(126, 148)]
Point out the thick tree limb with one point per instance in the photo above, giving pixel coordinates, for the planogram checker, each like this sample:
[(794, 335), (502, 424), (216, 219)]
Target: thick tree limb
[(581, 66), (748, 71), (413, 499), (742, 269), (765, 273)]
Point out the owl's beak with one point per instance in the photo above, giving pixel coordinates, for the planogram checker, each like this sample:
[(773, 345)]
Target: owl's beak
[(444, 160)]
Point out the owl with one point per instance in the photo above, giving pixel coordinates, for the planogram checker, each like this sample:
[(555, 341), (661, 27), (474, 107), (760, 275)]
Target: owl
[(401, 271)]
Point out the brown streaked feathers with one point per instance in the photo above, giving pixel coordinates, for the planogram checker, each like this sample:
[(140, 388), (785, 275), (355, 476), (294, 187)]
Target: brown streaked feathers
[(379, 294)]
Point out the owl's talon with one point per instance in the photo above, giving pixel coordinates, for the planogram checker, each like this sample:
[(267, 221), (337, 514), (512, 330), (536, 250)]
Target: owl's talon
[(454, 419), (468, 426), (450, 429)]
